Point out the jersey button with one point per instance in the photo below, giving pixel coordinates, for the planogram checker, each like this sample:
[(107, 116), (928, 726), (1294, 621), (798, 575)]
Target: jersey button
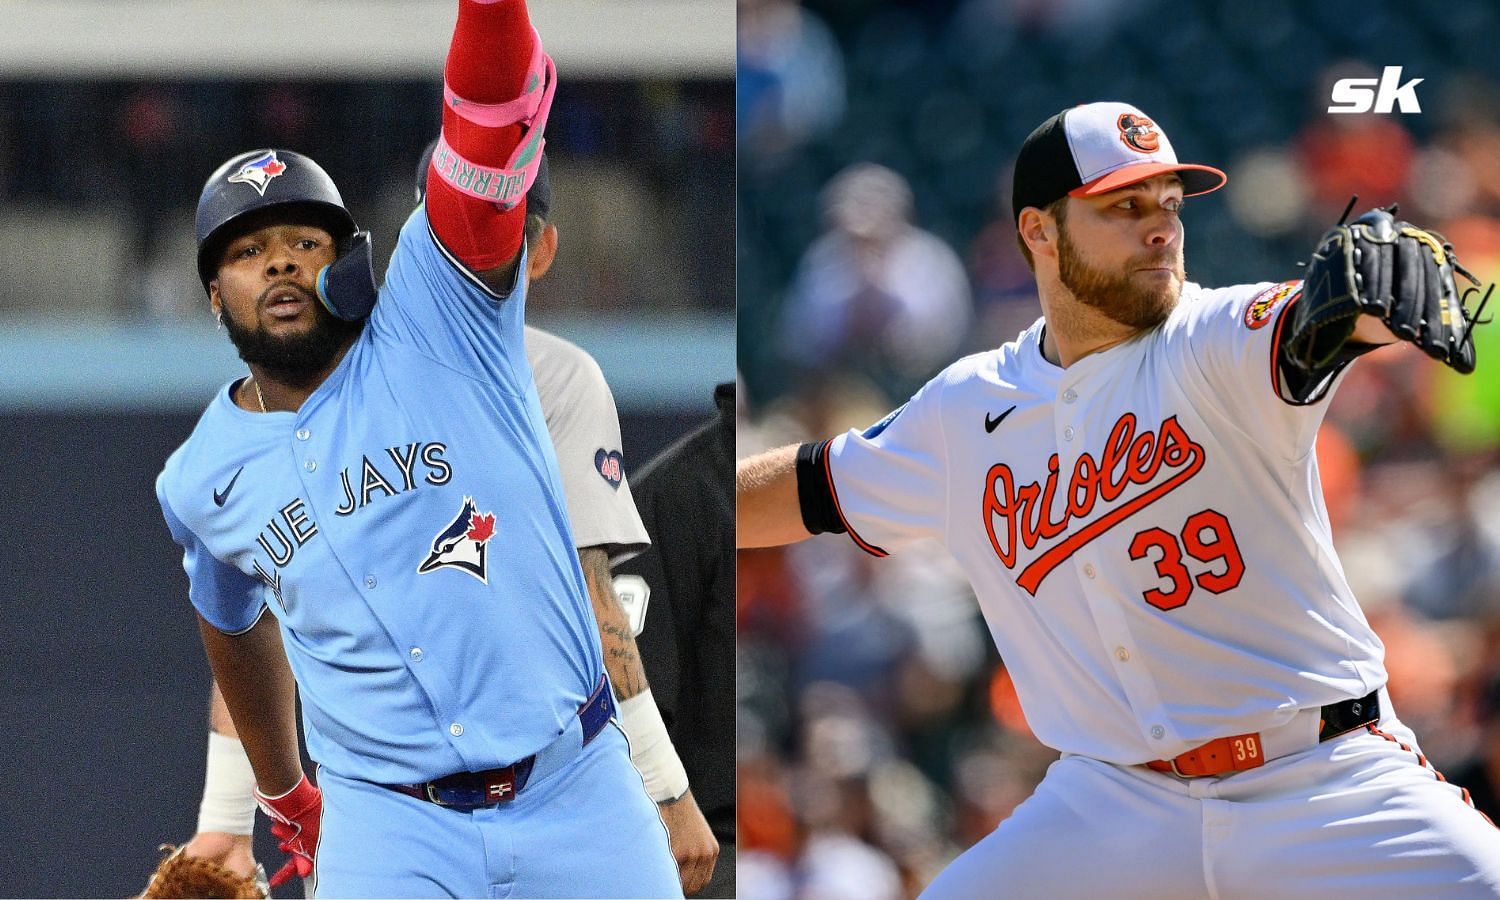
[(1158, 732), (303, 434), (416, 654), (456, 729), (1122, 654), (1069, 395), (1068, 433), (1088, 569), (310, 465), (370, 582)]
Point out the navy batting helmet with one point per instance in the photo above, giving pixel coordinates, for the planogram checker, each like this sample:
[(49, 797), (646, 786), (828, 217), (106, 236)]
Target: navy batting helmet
[(271, 179)]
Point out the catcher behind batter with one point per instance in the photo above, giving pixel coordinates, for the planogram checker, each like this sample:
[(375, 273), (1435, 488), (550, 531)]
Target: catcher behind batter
[(1130, 488)]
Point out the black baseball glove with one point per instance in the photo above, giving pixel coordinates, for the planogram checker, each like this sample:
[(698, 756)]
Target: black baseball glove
[(1390, 269)]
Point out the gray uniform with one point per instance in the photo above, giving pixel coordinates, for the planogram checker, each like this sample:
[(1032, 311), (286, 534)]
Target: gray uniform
[(585, 429)]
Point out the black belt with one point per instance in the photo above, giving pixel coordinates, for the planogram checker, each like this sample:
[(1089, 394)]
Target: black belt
[(1345, 716), (474, 790)]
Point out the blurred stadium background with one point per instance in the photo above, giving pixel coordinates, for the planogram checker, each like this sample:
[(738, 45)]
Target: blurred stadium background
[(879, 734), (111, 117)]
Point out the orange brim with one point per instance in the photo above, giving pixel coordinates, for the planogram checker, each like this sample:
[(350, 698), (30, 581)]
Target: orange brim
[(1195, 179)]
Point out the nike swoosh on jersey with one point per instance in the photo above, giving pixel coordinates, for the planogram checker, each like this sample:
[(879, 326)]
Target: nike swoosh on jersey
[(991, 424), (220, 498)]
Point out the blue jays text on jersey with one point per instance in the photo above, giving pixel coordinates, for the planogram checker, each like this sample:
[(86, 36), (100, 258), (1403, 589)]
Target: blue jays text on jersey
[(291, 527), (407, 528)]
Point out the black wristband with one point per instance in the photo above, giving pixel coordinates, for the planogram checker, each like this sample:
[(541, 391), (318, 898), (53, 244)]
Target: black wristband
[(820, 514)]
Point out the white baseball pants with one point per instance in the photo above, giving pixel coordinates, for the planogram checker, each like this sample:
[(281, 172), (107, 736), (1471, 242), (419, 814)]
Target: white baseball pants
[(1356, 816)]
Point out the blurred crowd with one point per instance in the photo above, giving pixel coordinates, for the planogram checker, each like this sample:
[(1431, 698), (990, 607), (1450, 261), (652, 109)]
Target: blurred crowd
[(879, 732), (99, 179)]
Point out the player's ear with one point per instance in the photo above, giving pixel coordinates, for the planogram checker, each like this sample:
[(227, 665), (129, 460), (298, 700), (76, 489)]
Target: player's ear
[(539, 257), (215, 303), (1038, 231)]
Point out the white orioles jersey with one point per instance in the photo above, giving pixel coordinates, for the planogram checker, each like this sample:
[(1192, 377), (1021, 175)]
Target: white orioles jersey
[(1145, 530)]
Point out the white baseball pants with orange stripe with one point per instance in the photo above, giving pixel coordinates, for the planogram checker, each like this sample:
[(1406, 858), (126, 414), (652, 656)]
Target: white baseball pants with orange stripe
[(1355, 816)]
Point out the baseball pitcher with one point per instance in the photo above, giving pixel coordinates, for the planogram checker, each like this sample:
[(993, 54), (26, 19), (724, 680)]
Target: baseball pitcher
[(1131, 490)]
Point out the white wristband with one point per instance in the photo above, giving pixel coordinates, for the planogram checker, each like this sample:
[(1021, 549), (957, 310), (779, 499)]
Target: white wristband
[(228, 788), (651, 748)]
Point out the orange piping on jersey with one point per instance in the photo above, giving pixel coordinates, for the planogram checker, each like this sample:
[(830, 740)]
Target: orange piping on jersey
[(1276, 351), (861, 542)]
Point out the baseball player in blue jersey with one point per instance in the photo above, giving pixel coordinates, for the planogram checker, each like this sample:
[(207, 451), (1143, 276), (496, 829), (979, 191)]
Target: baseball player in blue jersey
[(584, 428), (382, 483)]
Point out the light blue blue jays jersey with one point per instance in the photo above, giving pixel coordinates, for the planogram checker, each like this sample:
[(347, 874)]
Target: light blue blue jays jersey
[(407, 527)]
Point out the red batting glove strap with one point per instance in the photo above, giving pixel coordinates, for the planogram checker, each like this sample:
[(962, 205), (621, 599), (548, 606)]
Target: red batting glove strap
[(296, 817)]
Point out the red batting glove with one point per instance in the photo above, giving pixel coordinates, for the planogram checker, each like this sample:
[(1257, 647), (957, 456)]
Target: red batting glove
[(297, 814)]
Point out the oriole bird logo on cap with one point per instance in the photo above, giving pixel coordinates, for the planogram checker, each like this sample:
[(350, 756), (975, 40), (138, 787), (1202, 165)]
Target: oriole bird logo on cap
[(1138, 133)]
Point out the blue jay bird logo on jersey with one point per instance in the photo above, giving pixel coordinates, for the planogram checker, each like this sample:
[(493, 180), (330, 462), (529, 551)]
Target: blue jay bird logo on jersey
[(258, 172), (462, 543)]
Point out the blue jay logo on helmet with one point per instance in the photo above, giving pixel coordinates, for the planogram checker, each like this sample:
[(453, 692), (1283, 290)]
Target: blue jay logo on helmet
[(462, 542), (258, 172)]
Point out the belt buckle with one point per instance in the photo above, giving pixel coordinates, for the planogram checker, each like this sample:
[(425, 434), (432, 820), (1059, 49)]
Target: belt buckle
[(432, 796), (502, 791), (476, 793)]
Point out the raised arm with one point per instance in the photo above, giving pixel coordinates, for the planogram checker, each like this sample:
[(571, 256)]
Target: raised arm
[(498, 88), (767, 510)]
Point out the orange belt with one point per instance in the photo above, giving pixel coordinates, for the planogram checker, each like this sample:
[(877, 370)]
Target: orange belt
[(1217, 757), (1241, 752)]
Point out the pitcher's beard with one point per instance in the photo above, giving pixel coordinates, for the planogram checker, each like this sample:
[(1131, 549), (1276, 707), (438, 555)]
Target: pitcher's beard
[(294, 359), (1121, 295)]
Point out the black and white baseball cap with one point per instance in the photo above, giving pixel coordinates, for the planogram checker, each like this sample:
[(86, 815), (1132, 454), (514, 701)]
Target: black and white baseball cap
[(1096, 148)]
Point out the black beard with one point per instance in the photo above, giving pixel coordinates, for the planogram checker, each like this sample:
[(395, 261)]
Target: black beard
[(297, 359), (1115, 294)]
